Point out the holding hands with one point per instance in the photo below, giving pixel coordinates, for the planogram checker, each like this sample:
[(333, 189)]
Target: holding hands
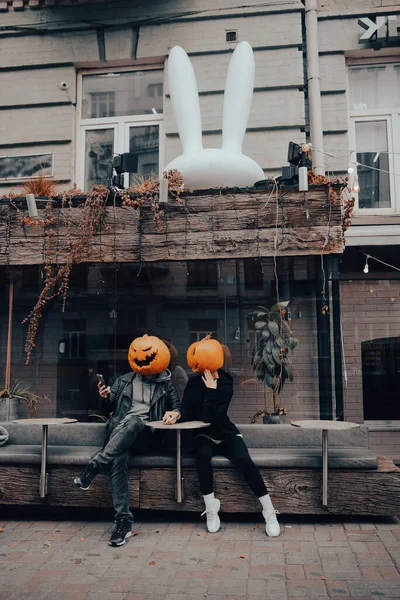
[(209, 380), (171, 417)]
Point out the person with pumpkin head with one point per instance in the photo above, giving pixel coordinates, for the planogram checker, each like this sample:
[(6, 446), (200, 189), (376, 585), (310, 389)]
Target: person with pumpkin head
[(206, 398), (146, 394)]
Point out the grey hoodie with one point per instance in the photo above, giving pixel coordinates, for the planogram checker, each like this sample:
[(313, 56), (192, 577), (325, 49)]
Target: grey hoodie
[(142, 393)]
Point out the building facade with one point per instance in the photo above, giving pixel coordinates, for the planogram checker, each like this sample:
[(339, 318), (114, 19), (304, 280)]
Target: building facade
[(84, 81)]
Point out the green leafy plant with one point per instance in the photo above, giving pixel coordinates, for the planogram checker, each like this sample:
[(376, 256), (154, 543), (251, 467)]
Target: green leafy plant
[(270, 356), (21, 390)]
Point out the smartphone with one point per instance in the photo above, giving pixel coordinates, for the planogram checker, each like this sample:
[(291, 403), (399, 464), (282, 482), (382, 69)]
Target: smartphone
[(100, 379)]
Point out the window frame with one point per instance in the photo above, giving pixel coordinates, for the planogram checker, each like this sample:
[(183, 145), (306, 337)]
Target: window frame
[(392, 118), (120, 125)]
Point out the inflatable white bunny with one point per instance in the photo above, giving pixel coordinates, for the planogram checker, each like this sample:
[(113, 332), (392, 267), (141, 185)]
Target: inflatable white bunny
[(200, 167)]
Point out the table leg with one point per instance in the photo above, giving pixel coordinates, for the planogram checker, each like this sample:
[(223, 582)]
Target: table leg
[(43, 474), (325, 467), (179, 492)]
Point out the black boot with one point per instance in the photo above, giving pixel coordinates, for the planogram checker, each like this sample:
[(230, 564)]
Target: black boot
[(84, 480), (122, 531)]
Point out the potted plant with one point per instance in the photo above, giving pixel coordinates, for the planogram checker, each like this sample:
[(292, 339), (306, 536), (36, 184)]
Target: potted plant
[(270, 356), (9, 401)]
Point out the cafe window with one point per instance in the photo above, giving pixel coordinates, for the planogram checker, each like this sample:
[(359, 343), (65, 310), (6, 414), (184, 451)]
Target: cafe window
[(121, 111), (381, 378), (374, 103)]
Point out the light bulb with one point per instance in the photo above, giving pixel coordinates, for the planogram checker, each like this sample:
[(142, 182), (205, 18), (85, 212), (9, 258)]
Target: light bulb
[(350, 170), (356, 186), (366, 266)]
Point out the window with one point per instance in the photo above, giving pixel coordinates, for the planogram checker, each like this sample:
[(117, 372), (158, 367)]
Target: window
[(26, 167), (374, 96), (120, 112), (253, 273), (74, 342), (381, 378), (202, 273), (199, 328), (102, 104)]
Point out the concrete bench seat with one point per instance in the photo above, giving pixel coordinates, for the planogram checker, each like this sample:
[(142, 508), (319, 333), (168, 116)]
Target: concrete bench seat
[(270, 446), (289, 458), (294, 457)]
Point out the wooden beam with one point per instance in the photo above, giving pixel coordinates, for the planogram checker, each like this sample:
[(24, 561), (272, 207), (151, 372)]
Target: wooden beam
[(294, 491), (207, 227)]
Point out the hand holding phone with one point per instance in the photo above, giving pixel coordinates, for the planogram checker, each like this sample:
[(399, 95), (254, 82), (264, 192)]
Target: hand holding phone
[(100, 379), (101, 384)]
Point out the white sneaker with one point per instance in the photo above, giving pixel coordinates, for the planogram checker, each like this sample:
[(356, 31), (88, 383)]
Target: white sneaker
[(271, 523), (213, 521)]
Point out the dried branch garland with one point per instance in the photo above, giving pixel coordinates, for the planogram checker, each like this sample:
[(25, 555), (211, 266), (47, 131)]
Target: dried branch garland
[(148, 191), (56, 277)]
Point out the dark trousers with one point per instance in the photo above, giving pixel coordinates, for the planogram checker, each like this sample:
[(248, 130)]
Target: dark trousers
[(235, 449), (130, 436)]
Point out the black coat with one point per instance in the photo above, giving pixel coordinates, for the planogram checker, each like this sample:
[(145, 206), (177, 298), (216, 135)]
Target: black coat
[(165, 397), (200, 403)]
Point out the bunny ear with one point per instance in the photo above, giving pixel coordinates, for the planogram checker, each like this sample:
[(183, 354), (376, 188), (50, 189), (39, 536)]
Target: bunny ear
[(184, 99), (238, 95)]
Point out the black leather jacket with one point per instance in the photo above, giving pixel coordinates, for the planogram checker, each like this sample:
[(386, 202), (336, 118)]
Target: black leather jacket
[(165, 397)]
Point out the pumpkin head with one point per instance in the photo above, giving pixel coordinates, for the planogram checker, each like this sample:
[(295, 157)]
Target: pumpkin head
[(148, 355), (205, 354)]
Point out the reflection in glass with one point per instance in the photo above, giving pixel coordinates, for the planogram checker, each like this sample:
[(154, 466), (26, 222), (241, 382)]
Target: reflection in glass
[(122, 94), (109, 305), (99, 148), (144, 144), (372, 148)]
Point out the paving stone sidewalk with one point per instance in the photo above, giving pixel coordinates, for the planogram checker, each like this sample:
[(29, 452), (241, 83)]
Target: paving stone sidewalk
[(178, 559)]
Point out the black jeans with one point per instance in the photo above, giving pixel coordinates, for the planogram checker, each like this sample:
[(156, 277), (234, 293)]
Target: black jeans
[(130, 436), (235, 449)]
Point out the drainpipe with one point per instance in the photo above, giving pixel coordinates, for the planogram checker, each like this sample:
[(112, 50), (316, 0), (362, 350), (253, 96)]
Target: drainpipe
[(314, 86)]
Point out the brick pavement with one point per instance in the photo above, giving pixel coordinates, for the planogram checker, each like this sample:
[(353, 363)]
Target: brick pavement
[(177, 559)]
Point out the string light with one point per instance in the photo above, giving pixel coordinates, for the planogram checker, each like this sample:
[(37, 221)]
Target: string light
[(356, 186), (356, 163), (377, 260)]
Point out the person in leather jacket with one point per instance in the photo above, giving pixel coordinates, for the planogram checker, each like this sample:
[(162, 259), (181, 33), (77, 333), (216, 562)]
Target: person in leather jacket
[(134, 399)]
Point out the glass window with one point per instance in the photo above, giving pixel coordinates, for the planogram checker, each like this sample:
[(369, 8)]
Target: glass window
[(99, 151), (106, 311), (372, 154), (144, 144), (122, 94), (374, 87), (374, 101)]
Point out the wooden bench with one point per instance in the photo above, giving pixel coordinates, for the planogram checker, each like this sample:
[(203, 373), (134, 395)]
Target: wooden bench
[(289, 459)]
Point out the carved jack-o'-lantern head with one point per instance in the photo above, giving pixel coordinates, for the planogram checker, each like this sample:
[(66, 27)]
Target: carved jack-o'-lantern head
[(148, 355), (205, 354)]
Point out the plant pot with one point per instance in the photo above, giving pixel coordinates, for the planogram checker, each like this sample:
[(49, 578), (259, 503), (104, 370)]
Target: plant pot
[(271, 419), (9, 409)]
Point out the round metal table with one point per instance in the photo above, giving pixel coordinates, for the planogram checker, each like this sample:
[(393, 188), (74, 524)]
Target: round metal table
[(178, 428), (325, 426), (45, 430)]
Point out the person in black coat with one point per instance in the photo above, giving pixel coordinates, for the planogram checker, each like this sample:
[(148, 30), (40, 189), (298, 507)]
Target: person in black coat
[(207, 398), (134, 399)]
